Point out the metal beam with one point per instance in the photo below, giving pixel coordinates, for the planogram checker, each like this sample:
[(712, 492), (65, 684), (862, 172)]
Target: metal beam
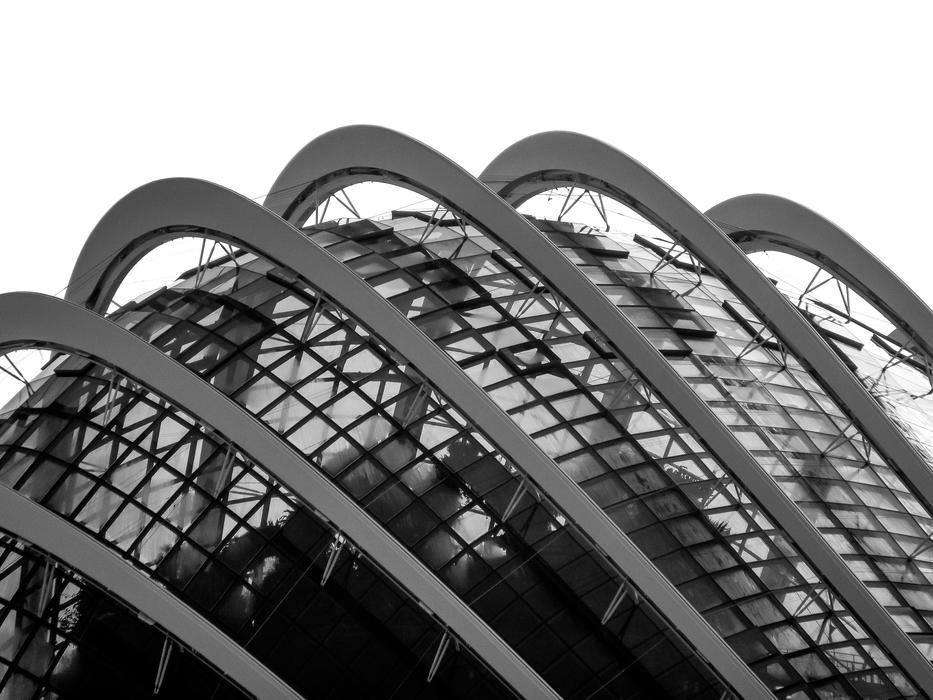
[(354, 154), (542, 162), (41, 321), (31, 522), (137, 224), (767, 222)]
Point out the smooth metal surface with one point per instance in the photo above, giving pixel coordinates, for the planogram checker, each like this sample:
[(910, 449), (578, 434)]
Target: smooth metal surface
[(136, 224), (29, 521), (544, 161), (31, 320), (758, 222)]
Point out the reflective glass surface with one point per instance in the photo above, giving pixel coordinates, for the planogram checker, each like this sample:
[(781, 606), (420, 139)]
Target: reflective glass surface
[(890, 366), (781, 412), (585, 407), (184, 505), (367, 419), (60, 636)]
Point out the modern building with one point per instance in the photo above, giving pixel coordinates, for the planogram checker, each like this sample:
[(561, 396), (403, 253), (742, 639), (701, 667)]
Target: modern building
[(552, 432)]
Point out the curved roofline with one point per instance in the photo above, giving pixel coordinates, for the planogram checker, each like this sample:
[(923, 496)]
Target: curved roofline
[(758, 222), (126, 233), (544, 161), (38, 320), (357, 153)]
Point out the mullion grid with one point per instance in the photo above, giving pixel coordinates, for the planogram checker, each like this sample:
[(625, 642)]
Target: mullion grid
[(847, 454), (466, 508), (711, 291), (68, 599), (17, 606), (236, 521), (283, 330), (582, 443), (499, 269), (683, 283), (579, 439), (903, 387), (186, 483), (118, 460)]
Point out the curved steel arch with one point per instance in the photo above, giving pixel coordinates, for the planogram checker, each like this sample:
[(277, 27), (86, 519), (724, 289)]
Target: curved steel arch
[(138, 223), (38, 320), (354, 154), (546, 160), (552, 159), (758, 222), (32, 523)]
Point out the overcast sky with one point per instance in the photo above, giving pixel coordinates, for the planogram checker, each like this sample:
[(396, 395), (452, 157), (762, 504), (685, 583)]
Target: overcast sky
[(826, 103)]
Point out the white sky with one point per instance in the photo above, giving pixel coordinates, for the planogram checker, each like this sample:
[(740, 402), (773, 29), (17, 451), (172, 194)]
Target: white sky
[(826, 103)]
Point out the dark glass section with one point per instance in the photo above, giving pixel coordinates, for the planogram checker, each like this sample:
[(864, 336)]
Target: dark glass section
[(370, 421), (382, 433), (557, 377), (780, 411), (184, 505), (60, 636)]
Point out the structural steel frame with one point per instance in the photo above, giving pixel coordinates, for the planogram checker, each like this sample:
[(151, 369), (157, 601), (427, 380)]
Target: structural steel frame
[(160, 211), (757, 222), (557, 158), (175, 208), (35, 320), (544, 161), (366, 153), (28, 521)]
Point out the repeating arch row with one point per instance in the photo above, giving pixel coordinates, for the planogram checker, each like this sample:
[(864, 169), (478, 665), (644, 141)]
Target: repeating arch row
[(168, 209), (37, 320), (541, 162), (163, 210), (354, 154), (548, 160)]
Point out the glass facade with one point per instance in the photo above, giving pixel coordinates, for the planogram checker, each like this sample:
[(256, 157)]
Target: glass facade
[(377, 428), (890, 366), (182, 504), (62, 637), (593, 414), (189, 508), (787, 419)]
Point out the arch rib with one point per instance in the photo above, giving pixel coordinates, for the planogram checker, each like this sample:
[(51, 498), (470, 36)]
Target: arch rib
[(768, 222), (34, 319), (354, 154), (127, 232), (547, 160), (30, 522)]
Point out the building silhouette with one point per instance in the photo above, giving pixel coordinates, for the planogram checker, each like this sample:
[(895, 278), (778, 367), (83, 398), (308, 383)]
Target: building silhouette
[(551, 432)]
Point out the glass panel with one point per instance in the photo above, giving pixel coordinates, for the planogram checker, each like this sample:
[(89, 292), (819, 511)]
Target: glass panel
[(192, 511), (60, 636), (780, 412), (492, 334), (394, 445)]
